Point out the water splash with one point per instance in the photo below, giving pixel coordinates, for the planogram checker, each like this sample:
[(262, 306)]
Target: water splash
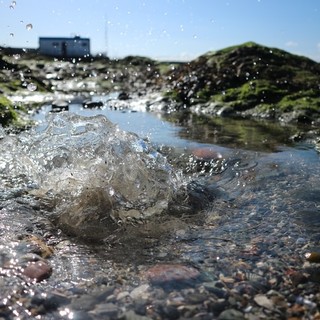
[(29, 26), (13, 4), (31, 87), (91, 175)]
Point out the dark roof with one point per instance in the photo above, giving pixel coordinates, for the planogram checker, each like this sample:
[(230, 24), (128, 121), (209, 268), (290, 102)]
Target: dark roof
[(63, 38)]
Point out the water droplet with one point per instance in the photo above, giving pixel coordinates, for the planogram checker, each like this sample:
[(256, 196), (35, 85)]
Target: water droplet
[(29, 26), (13, 4), (11, 34), (16, 56), (31, 86)]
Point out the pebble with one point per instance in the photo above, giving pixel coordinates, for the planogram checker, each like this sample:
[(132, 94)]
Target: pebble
[(123, 295), (131, 315), (164, 273), (231, 314), (206, 153), (37, 270), (263, 301), (105, 310), (140, 292)]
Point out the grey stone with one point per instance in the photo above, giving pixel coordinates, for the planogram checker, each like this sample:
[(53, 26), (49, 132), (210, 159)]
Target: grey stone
[(231, 314)]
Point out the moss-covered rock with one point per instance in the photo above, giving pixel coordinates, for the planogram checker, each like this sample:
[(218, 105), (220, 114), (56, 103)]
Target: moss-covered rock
[(249, 77), (7, 113)]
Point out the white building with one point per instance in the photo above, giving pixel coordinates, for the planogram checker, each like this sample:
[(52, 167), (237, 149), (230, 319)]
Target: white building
[(64, 47)]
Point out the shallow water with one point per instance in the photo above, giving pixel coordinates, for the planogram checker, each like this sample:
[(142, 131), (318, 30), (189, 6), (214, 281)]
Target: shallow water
[(265, 190)]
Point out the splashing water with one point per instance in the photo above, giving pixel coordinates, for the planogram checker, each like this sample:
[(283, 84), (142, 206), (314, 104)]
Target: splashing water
[(29, 26), (31, 87), (13, 4), (91, 174)]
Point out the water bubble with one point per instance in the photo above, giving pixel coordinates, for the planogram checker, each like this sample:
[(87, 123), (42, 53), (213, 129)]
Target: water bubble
[(31, 86), (29, 26)]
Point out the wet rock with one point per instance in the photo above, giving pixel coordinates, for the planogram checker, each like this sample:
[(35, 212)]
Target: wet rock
[(206, 154), (313, 257), (123, 96), (55, 300), (169, 273), (131, 315), (88, 103), (140, 292), (231, 314), (298, 278), (225, 111), (170, 312), (105, 310), (264, 301), (88, 301), (218, 292), (37, 270), (60, 105)]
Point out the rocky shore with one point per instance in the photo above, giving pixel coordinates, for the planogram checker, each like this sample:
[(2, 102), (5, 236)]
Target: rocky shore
[(252, 254), (247, 81)]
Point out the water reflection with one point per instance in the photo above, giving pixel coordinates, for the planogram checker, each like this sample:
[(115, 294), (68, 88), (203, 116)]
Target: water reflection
[(233, 133), (187, 130)]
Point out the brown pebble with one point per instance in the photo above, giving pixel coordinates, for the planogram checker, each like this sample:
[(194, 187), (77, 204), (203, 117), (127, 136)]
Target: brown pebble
[(37, 270), (298, 278), (162, 273), (313, 257), (206, 154)]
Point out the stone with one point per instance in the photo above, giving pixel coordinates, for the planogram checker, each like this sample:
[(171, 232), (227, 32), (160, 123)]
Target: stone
[(37, 270), (140, 292), (164, 273), (231, 314), (263, 301), (109, 310), (131, 315)]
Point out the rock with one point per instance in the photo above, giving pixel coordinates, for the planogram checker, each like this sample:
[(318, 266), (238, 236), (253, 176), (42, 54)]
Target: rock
[(140, 292), (131, 315), (60, 105), (263, 301), (231, 314), (55, 300), (88, 301), (313, 257), (123, 96), (37, 270), (166, 273), (206, 154), (87, 103), (106, 310), (225, 111)]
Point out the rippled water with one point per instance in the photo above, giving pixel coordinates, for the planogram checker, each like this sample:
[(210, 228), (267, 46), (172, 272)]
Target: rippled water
[(261, 185)]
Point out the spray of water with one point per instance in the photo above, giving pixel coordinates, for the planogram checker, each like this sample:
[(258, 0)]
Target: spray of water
[(94, 175)]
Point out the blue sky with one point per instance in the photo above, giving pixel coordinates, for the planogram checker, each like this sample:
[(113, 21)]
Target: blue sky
[(165, 29)]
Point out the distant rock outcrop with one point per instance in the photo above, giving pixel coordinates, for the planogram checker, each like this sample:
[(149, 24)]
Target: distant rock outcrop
[(249, 80)]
